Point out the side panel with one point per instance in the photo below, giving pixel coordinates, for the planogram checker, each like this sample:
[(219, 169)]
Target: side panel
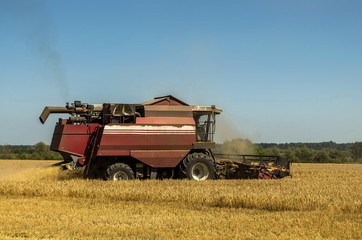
[(157, 145), (168, 137), (72, 139), (165, 121), (168, 111), (120, 139), (160, 158)]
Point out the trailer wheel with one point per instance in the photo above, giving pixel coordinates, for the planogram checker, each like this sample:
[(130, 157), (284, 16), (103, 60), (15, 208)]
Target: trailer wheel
[(199, 167), (119, 171)]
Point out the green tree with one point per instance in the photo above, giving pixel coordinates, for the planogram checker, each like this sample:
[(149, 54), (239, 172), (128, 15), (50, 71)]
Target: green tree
[(304, 154), (6, 153), (41, 151), (321, 157), (357, 150), (336, 156), (273, 151), (289, 154), (260, 151)]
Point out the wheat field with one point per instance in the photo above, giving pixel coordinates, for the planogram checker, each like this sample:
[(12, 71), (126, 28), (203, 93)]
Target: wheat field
[(320, 201)]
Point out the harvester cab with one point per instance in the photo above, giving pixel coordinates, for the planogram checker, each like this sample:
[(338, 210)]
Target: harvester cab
[(205, 119), (161, 138)]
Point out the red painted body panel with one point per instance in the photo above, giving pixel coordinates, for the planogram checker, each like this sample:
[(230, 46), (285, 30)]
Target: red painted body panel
[(72, 139), (165, 120), (170, 142), (115, 144), (117, 152), (160, 158), (157, 142)]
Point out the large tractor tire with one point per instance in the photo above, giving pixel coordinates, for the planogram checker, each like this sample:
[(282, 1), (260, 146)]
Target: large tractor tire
[(198, 166), (119, 171)]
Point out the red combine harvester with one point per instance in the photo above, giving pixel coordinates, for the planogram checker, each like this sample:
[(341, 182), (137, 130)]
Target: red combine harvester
[(157, 139)]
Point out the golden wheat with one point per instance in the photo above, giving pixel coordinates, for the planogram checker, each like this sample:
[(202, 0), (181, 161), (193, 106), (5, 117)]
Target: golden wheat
[(319, 201)]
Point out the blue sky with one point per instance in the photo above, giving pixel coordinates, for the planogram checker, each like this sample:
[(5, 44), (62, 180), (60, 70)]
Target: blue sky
[(282, 71)]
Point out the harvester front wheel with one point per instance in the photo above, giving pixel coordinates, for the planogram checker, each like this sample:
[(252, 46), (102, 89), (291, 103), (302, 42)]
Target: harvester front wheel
[(199, 167), (119, 171)]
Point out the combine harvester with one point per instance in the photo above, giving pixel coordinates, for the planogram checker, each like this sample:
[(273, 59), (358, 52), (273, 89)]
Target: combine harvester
[(158, 139)]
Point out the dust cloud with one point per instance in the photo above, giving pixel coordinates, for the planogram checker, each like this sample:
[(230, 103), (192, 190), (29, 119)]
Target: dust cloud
[(231, 139), (237, 146)]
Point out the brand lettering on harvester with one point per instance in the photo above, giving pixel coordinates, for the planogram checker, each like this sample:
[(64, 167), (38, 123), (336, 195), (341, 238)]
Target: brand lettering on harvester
[(148, 129)]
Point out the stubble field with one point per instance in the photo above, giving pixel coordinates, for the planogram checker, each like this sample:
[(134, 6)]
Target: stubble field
[(321, 201)]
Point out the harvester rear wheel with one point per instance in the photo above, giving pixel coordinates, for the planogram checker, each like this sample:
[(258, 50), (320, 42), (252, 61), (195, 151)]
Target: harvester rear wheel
[(199, 167), (119, 171)]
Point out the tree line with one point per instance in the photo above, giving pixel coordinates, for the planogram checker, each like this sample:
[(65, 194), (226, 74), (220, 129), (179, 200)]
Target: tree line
[(322, 152), (39, 151)]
